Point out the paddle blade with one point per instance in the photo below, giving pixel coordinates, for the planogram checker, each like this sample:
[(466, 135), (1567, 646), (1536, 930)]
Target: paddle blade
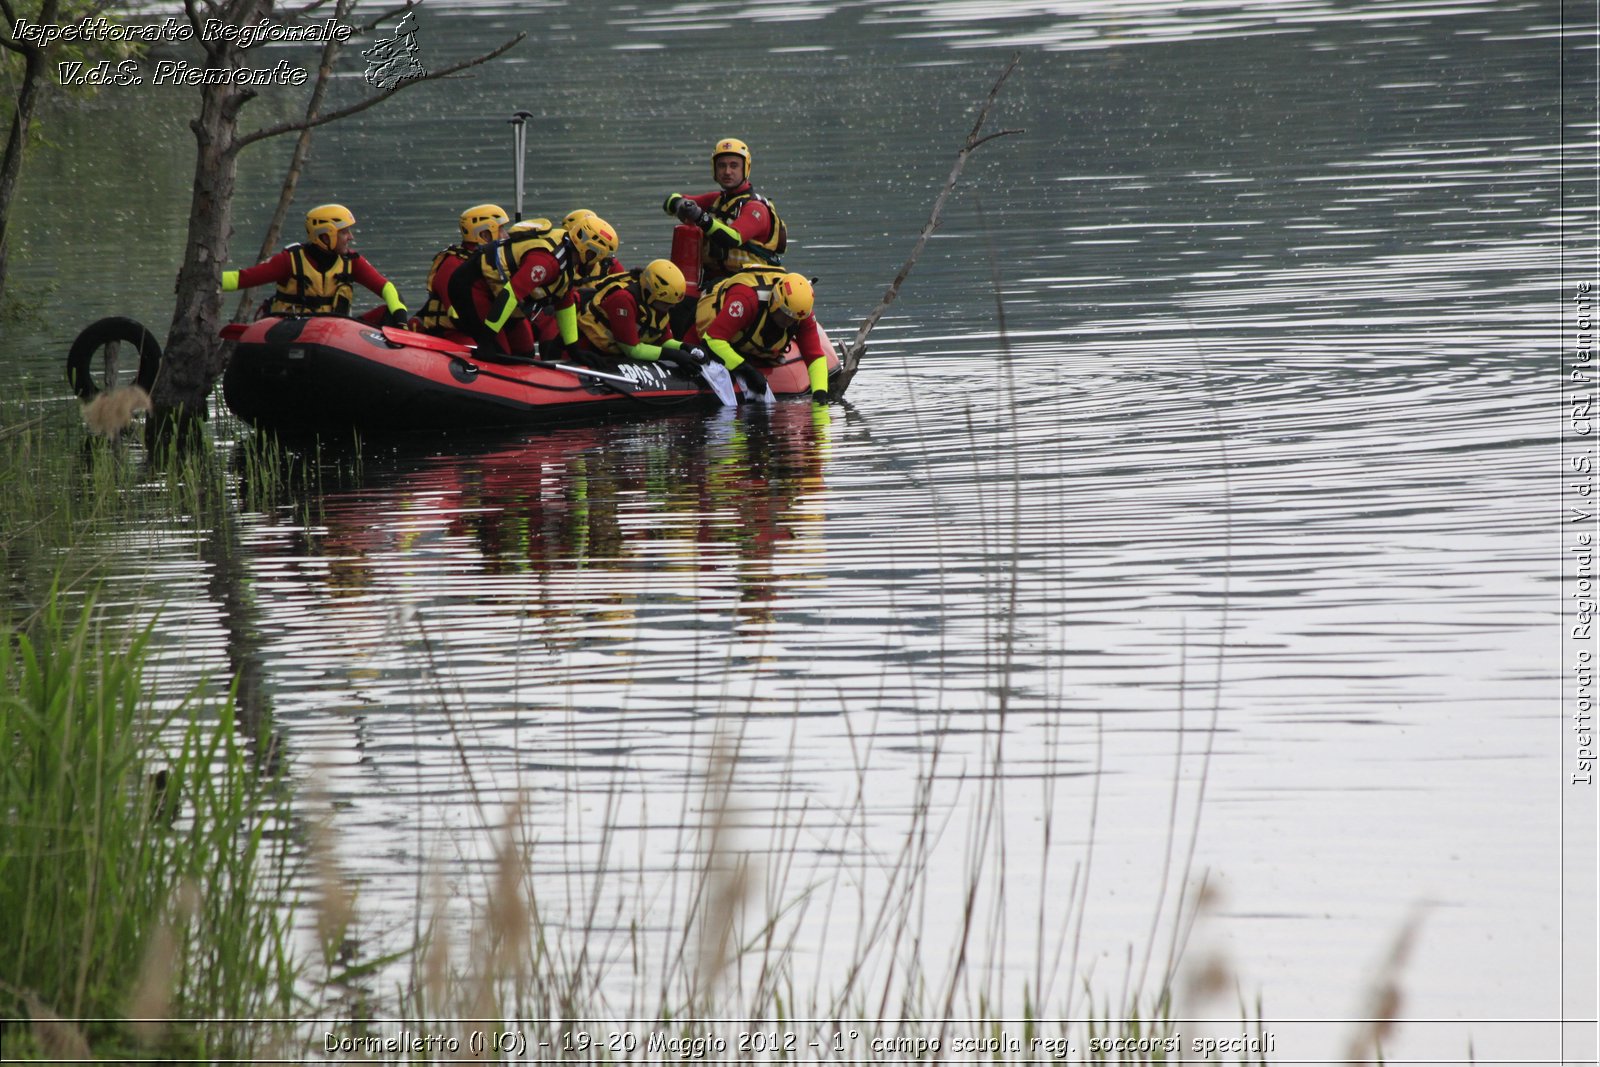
[(721, 383)]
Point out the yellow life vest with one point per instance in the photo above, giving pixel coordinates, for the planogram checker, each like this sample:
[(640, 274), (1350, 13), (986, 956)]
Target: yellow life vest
[(598, 271), (435, 314), (726, 208), (311, 291), (595, 326), (763, 338), (502, 258)]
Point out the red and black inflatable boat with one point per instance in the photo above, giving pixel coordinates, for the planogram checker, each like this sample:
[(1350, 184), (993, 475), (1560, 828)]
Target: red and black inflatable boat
[(329, 373)]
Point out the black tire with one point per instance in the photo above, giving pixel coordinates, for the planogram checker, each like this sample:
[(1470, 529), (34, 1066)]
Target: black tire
[(94, 338)]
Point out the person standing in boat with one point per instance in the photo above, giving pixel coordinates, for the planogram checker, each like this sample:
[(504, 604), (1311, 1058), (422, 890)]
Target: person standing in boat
[(627, 314), (317, 277), (754, 316), (480, 225), (742, 228), (537, 270)]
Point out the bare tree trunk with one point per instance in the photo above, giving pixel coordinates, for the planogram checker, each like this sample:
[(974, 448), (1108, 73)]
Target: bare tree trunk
[(34, 77), (194, 359)]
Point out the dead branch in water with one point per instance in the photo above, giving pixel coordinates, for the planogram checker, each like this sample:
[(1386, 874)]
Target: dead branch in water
[(852, 354)]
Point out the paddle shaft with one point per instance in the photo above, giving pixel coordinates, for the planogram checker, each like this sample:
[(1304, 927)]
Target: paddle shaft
[(519, 151)]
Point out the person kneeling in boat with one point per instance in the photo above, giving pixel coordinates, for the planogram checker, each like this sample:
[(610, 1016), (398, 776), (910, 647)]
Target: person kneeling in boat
[(480, 225), (537, 271), (601, 268), (316, 278), (627, 314), (753, 316), (741, 227)]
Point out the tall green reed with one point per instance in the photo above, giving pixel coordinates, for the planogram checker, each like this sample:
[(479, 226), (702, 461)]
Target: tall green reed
[(135, 871), (141, 872)]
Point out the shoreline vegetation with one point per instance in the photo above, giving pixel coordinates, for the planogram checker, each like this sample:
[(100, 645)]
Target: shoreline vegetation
[(166, 859)]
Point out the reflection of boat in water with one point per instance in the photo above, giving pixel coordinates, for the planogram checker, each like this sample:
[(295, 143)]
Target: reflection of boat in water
[(332, 373), (685, 492)]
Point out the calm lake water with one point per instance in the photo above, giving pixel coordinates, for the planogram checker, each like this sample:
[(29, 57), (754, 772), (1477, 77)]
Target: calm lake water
[(1226, 396)]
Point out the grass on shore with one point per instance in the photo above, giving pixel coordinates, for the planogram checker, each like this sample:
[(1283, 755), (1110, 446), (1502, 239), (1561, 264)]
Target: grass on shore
[(137, 875)]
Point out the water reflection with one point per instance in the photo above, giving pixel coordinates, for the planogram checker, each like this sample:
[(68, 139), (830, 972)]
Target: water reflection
[(1277, 288), (687, 491)]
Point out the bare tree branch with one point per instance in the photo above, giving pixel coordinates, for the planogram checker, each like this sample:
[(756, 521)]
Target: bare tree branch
[(302, 148), (301, 13), (191, 8), (22, 48), (851, 358), (389, 14), (378, 98), (984, 140)]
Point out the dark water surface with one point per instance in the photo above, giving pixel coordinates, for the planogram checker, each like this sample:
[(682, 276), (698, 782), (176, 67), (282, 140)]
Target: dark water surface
[(1227, 392)]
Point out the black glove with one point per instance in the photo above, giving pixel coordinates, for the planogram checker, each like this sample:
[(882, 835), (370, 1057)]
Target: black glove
[(690, 212), (698, 355), (398, 318), (551, 349), (753, 379), (820, 396)]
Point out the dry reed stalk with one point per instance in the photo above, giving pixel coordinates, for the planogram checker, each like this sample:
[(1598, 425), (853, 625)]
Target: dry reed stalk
[(1202, 977), (58, 1039), (334, 895), (502, 944), (1384, 999), (506, 911), (436, 960), (150, 1006), (725, 878)]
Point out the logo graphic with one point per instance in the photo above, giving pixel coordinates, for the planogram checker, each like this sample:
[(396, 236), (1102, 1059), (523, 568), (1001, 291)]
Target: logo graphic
[(393, 62)]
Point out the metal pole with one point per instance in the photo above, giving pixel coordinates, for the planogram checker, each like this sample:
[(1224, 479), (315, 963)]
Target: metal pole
[(519, 148)]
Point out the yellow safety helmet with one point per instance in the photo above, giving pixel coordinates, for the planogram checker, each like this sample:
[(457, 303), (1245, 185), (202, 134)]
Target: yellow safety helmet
[(575, 217), (594, 239), (481, 224), (324, 222), (661, 282), (792, 294), (731, 146)]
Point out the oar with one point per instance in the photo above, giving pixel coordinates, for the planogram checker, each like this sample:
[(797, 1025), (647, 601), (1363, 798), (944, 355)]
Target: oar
[(572, 368), (714, 374), (519, 147), (717, 377)]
